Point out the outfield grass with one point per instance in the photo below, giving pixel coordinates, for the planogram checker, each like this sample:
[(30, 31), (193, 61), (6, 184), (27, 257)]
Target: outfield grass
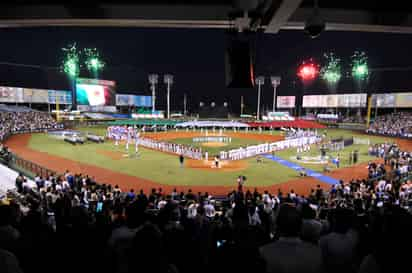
[(164, 168), (161, 167)]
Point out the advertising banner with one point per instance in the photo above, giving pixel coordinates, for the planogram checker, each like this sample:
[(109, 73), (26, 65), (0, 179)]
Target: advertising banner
[(31, 95), (352, 100), (384, 100), (310, 101), (11, 94), (335, 101), (140, 101), (123, 100), (97, 108), (330, 101), (403, 100), (285, 101), (61, 96)]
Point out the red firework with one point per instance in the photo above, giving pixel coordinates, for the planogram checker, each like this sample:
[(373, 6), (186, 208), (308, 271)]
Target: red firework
[(308, 71)]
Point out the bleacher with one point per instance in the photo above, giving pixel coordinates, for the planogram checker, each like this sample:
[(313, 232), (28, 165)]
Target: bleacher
[(14, 108)]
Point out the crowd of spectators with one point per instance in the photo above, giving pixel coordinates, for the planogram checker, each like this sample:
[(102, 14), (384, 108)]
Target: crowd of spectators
[(70, 223), (17, 122), (395, 124), (354, 119)]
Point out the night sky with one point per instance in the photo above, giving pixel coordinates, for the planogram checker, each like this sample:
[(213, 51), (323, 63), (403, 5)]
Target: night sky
[(196, 59)]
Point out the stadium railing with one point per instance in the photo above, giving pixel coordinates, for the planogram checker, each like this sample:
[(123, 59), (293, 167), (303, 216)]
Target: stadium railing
[(28, 168)]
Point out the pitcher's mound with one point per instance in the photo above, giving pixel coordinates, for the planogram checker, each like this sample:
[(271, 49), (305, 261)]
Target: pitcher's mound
[(213, 144), (230, 166)]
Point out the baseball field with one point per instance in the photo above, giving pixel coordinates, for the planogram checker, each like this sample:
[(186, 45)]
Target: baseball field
[(113, 164)]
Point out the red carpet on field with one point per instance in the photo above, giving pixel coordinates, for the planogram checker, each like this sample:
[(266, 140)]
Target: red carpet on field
[(298, 123)]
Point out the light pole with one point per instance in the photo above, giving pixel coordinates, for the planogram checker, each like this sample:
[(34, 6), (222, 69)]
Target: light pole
[(168, 79), (275, 83), (184, 105), (260, 81), (241, 105), (153, 80)]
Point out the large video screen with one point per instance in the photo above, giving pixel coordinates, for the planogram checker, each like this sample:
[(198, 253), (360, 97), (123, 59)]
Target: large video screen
[(95, 92), (285, 101)]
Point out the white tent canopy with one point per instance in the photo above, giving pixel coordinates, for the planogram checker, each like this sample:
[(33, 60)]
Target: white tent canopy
[(212, 123)]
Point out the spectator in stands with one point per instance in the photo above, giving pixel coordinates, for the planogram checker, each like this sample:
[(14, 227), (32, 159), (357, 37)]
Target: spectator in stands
[(289, 253), (395, 124), (29, 121), (311, 228), (9, 263), (339, 246), (9, 236)]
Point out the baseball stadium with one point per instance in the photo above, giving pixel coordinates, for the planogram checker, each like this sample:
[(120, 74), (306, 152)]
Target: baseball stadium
[(259, 137)]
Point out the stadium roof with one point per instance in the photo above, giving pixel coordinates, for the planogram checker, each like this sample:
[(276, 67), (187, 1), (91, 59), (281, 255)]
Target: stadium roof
[(269, 15)]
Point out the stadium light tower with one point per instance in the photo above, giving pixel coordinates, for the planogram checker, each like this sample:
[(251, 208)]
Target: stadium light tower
[(168, 79), (275, 83), (153, 80), (260, 81)]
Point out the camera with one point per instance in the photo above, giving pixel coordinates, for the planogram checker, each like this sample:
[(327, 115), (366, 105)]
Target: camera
[(314, 26)]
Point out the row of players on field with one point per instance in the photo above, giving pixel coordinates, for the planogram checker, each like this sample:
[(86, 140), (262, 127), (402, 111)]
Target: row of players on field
[(131, 135)]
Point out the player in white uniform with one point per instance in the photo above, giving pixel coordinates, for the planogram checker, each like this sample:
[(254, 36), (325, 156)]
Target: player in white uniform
[(116, 136), (136, 142), (129, 137)]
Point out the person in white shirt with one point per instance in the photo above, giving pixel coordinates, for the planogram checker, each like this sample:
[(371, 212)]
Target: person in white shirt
[(209, 209), (48, 183), (58, 187), (381, 185), (254, 218), (388, 187), (65, 185), (26, 184), (162, 203), (292, 194), (192, 210)]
